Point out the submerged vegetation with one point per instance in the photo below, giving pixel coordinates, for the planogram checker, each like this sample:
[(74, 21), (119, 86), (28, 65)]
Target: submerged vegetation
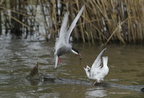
[(104, 21)]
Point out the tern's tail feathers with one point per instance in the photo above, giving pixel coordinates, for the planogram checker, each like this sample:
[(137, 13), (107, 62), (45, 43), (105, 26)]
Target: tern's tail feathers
[(56, 61)]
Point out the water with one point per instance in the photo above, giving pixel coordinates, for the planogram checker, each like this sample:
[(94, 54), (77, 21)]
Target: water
[(18, 57)]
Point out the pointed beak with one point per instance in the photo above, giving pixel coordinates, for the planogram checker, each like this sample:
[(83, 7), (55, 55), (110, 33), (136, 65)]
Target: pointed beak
[(79, 55)]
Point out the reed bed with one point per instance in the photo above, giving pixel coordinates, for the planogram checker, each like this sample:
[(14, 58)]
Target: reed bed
[(104, 21)]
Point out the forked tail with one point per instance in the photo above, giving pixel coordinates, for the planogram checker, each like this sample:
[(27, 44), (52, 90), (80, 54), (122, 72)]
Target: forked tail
[(56, 61)]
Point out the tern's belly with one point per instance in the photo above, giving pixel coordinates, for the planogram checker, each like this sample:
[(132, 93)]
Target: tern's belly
[(63, 50)]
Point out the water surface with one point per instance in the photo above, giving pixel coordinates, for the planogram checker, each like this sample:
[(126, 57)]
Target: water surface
[(18, 57)]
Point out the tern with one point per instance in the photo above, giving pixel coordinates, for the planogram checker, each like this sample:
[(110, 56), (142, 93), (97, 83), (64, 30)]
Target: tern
[(99, 68), (62, 45)]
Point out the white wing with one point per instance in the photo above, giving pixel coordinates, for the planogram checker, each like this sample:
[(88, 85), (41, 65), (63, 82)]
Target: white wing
[(61, 40), (73, 24), (101, 72), (64, 34), (63, 28), (97, 62), (105, 67)]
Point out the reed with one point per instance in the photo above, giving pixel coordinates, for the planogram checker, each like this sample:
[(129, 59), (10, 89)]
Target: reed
[(104, 21)]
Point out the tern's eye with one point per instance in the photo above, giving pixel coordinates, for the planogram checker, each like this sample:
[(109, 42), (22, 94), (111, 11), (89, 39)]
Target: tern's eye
[(88, 70)]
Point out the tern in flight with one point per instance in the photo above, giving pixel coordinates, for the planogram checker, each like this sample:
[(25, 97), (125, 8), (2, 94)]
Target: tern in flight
[(99, 68), (62, 45)]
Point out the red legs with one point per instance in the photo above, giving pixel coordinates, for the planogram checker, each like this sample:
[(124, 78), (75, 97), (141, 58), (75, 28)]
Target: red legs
[(59, 60)]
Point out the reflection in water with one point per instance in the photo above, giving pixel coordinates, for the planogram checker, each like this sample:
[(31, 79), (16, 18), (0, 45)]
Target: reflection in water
[(96, 92), (40, 95)]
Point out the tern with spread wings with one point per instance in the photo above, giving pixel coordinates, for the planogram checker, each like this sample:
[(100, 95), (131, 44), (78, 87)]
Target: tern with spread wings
[(62, 45), (99, 68)]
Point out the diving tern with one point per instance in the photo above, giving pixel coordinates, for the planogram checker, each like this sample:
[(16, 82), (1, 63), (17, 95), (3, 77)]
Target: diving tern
[(62, 45)]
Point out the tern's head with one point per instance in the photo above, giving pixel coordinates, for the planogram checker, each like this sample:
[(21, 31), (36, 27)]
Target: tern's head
[(75, 51), (87, 70)]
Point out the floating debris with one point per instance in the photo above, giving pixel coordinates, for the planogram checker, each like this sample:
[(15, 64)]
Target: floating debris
[(35, 75)]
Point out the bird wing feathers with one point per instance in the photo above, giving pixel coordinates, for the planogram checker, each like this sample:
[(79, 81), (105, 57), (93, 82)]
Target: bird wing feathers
[(97, 63), (64, 32), (101, 72), (63, 28), (61, 40), (73, 24), (105, 67)]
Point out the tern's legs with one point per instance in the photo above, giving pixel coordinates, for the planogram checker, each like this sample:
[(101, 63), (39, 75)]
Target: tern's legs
[(59, 60)]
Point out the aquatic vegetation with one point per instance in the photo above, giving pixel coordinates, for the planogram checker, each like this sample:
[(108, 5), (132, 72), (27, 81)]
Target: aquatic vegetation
[(102, 21)]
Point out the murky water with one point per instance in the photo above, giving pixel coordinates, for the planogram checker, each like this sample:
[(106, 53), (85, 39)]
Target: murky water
[(18, 57)]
